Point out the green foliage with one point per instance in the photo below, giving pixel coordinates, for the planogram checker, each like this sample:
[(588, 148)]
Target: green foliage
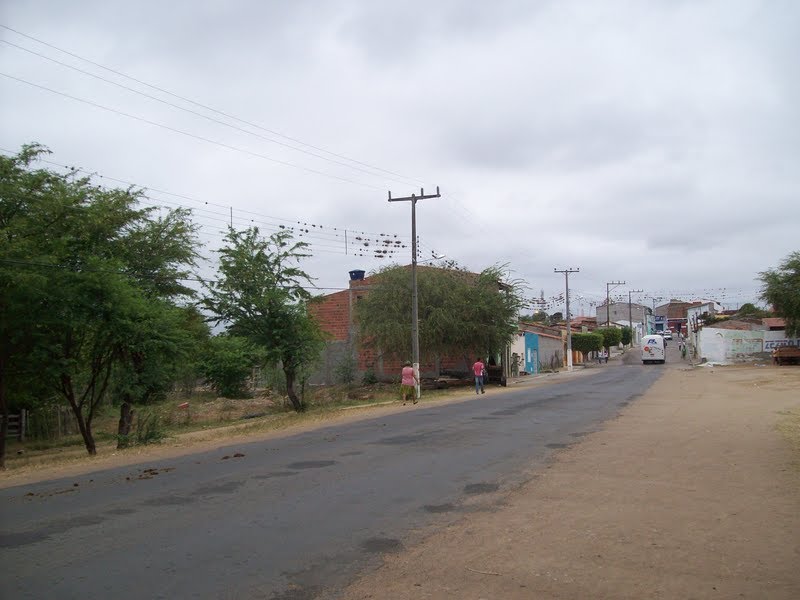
[(459, 312), (369, 377), (749, 309), (538, 317), (149, 429), (345, 370), (612, 336), (627, 336), (259, 296), (587, 342), (556, 317), (781, 289), (229, 363), (86, 277)]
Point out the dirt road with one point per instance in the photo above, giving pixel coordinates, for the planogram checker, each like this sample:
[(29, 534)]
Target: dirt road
[(691, 493)]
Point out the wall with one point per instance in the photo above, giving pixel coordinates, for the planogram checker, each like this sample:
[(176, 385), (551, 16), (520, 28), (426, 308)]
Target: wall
[(728, 346)]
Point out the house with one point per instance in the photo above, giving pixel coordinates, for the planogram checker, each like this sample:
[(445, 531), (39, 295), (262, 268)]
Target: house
[(622, 311), (335, 314), (536, 348)]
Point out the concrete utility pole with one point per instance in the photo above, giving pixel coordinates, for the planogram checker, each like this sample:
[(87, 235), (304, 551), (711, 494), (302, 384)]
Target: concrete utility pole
[(566, 273), (630, 311), (608, 302), (414, 307)]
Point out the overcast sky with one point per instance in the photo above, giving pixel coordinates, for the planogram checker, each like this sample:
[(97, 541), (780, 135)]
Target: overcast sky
[(652, 142)]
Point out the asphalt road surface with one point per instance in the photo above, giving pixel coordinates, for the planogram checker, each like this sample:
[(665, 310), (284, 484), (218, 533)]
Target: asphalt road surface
[(293, 518)]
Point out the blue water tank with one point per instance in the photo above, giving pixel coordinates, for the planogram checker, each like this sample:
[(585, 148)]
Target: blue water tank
[(356, 275)]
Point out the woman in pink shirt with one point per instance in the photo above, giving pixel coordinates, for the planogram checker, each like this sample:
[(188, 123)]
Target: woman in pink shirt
[(408, 384), (479, 370)]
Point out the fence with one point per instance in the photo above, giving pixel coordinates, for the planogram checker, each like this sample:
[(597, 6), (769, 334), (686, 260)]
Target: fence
[(17, 425), (51, 423)]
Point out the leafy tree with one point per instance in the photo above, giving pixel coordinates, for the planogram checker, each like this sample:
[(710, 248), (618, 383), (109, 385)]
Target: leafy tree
[(259, 296), (538, 317), (229, 362), (84, 273), (781, 289), (587, 342), (556, 317), (749, 309), (627, 336), (612, 336), (459, 312)]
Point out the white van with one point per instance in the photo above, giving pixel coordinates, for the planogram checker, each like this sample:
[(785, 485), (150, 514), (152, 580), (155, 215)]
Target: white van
[(653, 349)]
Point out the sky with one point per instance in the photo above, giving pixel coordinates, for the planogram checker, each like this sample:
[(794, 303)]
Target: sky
[(655, 143)]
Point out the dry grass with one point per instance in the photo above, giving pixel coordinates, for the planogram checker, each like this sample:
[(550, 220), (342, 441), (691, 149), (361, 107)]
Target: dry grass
[(208, 421)]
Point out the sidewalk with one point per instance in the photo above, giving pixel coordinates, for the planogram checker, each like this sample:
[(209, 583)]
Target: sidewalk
[(690, 493)]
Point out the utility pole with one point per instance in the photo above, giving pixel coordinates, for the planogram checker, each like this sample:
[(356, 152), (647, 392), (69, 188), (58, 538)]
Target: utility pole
[(566, 273), (608, 301), (414, 307), (630, 311)]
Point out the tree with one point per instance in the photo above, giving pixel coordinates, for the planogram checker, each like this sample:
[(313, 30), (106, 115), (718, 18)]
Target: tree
[(259, 295), (748, 309), (538, 317), (460, 313), (228, 363), (627, 336), (587, 342), (84, 275), (556, 317), (781, 289), (612, 336)]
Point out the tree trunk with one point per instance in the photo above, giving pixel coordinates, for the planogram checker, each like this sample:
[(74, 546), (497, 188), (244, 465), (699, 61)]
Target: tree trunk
[(297, 404), (4, 411), (84, 427), (125, 422)]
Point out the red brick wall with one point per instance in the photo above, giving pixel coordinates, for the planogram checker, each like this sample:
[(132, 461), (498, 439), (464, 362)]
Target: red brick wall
[(333, 315)]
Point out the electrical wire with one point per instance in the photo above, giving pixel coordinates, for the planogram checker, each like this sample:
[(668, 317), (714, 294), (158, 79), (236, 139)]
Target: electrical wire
[(208, 108), (189, 134)]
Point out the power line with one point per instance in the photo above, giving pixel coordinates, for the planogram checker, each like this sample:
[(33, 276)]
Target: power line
[(208, 108), (194, 112), (191, 135), (361, 243)]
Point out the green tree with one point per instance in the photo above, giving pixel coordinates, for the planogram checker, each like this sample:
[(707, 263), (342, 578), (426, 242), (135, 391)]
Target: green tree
[(556, 317), (259, 295), (748, 309), (612, 336), (627, 336), (781, 289), (587, 342), (538, 317), (84, 273), (228, 364), (460, 313)]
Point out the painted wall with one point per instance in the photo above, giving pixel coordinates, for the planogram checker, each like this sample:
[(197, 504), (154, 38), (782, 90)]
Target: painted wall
[(727, 346)]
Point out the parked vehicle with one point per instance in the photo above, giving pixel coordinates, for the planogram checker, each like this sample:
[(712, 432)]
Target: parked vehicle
[(653, 349), (667, 335)]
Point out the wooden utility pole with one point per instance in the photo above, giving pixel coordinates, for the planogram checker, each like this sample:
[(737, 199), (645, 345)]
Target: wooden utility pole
[(414, 307), (608, 301), (566, 273), (630, 311)]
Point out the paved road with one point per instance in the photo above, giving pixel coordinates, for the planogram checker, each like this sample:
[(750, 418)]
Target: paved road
[(293, 518)]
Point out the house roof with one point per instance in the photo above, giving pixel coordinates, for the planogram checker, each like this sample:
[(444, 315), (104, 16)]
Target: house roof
[(734, 324), (776, 322)]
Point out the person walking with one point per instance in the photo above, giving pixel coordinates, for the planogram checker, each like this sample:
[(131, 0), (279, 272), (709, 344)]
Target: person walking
[(479, 370), (408, 383)]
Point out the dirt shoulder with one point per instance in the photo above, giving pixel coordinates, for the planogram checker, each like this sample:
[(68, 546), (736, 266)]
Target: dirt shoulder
[(693, 492)]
